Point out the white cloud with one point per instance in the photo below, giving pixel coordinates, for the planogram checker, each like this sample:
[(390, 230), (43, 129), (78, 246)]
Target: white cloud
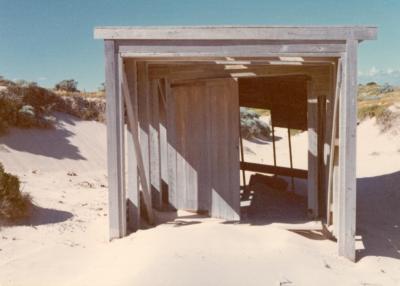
[(388, 75), (42, 78), (373, 71)]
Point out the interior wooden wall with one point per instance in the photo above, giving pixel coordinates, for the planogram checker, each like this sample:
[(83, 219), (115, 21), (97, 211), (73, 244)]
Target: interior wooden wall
[(204, 116), (321, 79)]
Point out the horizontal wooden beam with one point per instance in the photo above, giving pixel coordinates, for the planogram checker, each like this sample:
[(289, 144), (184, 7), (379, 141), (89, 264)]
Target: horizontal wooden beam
[(225, 48), (238, 32), (269, 169), (185, 71), (241, 61)]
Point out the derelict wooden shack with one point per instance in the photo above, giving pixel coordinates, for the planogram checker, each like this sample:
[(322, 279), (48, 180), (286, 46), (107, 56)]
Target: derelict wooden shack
[(182, 88)]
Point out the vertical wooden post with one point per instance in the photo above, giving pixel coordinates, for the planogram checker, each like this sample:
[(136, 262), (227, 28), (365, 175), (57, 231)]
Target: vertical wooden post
[(115, 143), (154, 132), (172, 146), (290, 156), (312, 180), (347, 153), (321, 103), (163, 140), (273, 140), (132, 190), (242, 155)]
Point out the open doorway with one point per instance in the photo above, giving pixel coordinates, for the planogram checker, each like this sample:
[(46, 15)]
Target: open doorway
[(274, 149)]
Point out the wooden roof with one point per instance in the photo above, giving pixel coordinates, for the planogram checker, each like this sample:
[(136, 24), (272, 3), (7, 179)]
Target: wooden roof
[(329, 33)]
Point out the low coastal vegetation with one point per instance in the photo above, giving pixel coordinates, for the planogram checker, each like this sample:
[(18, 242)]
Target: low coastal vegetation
[(25, 104), (381, 102), (251, 126), (14, 204)]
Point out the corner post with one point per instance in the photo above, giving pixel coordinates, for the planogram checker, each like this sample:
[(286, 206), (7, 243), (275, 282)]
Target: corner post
[(347, 153), (115, 143)]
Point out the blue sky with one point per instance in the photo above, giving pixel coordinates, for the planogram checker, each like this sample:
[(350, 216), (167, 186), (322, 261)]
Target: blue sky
[(48, 41)]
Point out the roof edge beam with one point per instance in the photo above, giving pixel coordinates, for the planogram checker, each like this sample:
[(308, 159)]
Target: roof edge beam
[(238, 33)]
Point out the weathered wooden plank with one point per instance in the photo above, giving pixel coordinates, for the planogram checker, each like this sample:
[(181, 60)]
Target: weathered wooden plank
[(332, 143), (132, 188), (149, 57), (335, 193), (237, 62), (115, 144), (133, 126), (225, 182), (163, 137), (155, 165), (188, 142), (180, 125), (312, 180), (276, 170), (321, 123), (207, 176), (233, 111), (191, 134), (313, 58), (238, 32), (255, 48), (172, 153), (347, 154)]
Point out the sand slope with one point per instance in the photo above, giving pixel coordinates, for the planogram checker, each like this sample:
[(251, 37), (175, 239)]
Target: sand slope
[(65, 242)]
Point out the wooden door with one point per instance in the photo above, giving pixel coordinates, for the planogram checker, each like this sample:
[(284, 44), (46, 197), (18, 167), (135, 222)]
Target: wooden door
[(203, 132)]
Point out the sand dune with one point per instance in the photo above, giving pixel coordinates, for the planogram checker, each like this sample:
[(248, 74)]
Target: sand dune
[(65, 241)]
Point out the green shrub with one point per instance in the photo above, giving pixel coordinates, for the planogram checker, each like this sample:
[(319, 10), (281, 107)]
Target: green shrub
[(6, 82), (41, 99), (386, 88), (26, 106), (8, 112), (67, 85), (251, 125), (26, 116), (13, 203)]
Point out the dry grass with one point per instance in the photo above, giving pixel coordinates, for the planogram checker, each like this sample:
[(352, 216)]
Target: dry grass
[(375, 101), (85, 94)]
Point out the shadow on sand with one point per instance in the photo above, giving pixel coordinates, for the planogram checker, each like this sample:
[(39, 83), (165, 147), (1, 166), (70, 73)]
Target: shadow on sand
[(41, 216), (53, 142), (378, 215), (262, 140)]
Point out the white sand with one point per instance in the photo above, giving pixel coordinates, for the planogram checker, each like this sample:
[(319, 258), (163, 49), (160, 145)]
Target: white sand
[(65, 243)]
